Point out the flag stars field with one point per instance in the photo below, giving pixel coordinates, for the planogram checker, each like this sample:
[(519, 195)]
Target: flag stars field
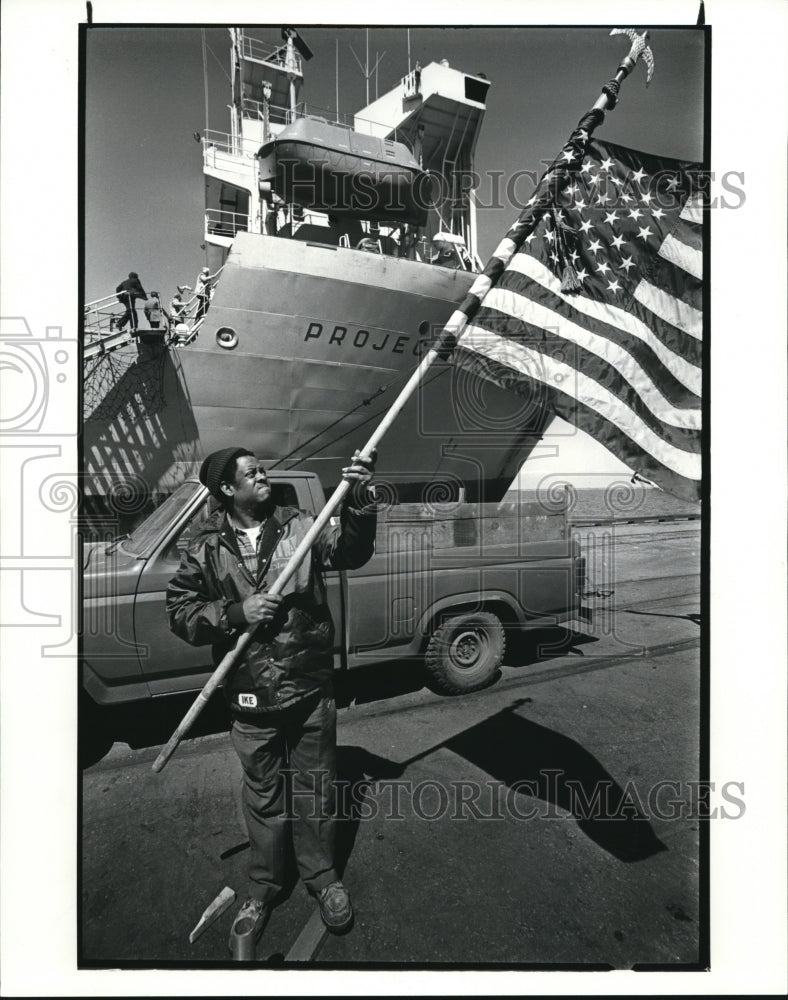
[(614, 335)]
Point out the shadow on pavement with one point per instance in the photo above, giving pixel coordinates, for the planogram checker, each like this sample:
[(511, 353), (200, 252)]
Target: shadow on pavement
[(539, 763), (524, 647), (358, 770), (379, 681), (151, 723), (145, 724), (527, 646)]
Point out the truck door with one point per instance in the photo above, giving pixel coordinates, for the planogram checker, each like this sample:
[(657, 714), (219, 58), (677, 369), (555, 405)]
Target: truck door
[(168, 663)]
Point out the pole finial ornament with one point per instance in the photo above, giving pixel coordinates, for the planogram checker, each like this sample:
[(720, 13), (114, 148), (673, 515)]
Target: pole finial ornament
[(640, 47)]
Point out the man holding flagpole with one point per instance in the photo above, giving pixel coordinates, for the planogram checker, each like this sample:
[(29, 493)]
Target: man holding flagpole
[(279, 693)]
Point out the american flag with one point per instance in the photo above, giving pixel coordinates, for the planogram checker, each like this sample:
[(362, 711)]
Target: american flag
[(597, 309)]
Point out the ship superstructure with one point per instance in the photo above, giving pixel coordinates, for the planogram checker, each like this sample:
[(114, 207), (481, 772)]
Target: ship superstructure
[(427, 127), (337, 249)]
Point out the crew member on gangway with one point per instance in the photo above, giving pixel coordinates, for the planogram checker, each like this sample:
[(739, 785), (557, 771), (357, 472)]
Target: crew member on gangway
[(203, 290), (128, 292), (153, 311)]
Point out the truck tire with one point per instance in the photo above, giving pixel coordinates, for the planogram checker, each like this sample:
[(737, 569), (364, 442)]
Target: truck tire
[(465, 652)]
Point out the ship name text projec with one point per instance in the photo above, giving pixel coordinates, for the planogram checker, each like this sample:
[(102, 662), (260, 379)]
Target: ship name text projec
[(378, 340)]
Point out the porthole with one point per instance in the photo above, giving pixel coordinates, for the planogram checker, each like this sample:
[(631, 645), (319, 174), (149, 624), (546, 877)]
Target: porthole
[(226, 337)]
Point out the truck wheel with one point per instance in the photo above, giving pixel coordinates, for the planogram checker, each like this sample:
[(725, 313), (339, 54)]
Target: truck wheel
[(465, 652)]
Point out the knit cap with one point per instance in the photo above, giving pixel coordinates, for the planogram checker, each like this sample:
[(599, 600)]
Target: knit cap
[(212, 470)]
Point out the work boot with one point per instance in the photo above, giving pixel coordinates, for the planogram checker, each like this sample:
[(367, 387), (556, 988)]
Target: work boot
[(335, 909), (248, 926)]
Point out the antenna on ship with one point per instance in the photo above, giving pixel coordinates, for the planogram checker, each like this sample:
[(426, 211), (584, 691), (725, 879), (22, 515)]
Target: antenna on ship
[(366, 71), (205, 76)]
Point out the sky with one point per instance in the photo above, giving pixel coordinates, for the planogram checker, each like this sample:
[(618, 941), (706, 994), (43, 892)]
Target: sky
[(146, 97)]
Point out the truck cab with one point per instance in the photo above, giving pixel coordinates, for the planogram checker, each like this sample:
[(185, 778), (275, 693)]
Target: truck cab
[(445, 583)]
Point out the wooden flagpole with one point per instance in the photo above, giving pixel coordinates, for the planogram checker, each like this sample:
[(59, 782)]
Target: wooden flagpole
[(322, 519), (449, 337)]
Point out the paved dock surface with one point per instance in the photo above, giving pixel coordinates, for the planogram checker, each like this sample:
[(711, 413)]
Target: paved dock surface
[(550, 820)]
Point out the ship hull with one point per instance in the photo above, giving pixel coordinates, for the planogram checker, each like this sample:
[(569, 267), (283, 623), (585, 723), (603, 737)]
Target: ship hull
[(319, 342)]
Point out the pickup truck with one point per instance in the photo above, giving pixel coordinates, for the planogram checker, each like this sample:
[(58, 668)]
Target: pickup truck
[(445, 584)]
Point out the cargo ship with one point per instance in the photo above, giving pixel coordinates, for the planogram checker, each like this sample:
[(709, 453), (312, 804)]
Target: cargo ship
[(336, 250)]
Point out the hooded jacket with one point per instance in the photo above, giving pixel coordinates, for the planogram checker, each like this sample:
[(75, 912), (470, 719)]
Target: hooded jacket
[(292, 656)]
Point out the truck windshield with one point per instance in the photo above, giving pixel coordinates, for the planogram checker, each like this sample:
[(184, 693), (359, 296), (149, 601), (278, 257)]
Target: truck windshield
[(145, 535)]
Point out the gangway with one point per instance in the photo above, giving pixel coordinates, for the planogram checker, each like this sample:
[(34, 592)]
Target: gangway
[(98, 328), (100, 336)]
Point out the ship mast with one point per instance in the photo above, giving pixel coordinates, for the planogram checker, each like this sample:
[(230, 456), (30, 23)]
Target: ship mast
[(236, 84), (291, 68)]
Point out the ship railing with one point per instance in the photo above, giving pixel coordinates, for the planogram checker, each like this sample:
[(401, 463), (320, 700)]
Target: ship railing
[(277, 114), (366, 126), (186, 325), (97, 318), (286, 116), (101, 337), (99, 334), (214, 142), (253, 48), (185, 331), (219, 222)]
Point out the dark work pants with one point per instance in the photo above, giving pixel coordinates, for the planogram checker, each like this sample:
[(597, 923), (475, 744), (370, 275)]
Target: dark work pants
[(130, 314), (296, 745)]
